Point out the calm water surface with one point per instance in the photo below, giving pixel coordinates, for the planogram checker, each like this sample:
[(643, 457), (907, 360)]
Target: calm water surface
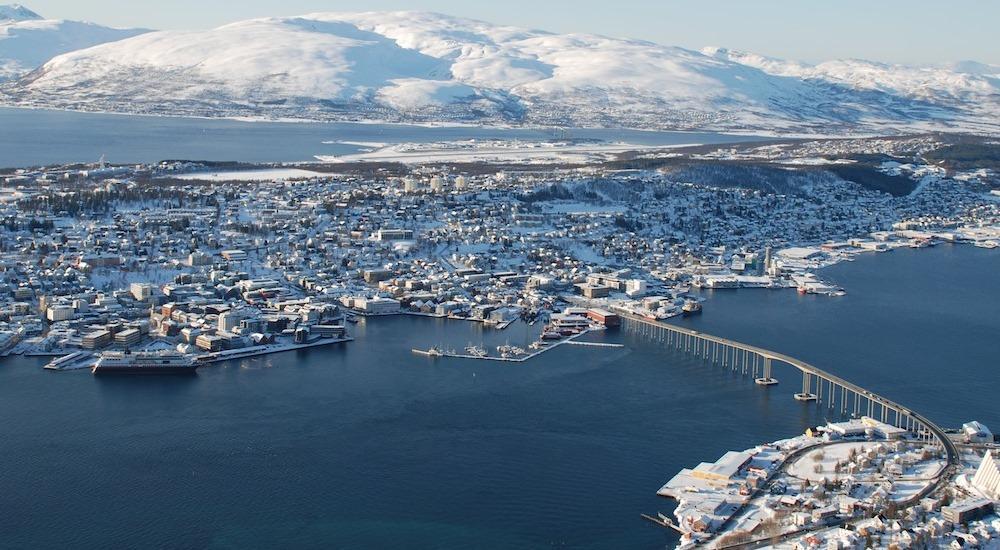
[(368, 446), (40, 137)]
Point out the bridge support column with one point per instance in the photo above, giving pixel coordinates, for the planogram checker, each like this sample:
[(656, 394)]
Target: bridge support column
[(766, 379), (806, 394)]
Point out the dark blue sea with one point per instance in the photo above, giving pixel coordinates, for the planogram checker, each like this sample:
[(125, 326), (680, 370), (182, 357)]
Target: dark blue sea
[(366, 445)]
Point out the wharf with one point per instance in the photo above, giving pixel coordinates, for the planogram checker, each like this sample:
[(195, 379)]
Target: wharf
[(569, 340), (220, 356), (597, 344)]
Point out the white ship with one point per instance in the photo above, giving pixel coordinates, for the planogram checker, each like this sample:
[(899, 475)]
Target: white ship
[(144, 362)]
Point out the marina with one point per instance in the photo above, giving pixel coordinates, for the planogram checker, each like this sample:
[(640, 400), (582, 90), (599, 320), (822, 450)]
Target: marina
[(481, 354), (373, 397)]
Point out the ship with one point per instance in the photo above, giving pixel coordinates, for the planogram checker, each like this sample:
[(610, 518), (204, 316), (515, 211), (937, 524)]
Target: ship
[(691, 307), (144, 362)]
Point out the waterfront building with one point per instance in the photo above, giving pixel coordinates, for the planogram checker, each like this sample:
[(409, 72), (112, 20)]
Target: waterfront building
[(604, 317), (96, 339), (128, 337), (724, 469), (210, 342), (977, 432), (377, 305)]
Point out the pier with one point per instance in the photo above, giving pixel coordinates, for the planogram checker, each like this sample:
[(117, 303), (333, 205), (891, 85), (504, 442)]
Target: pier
[(818, 386), (570, 340)]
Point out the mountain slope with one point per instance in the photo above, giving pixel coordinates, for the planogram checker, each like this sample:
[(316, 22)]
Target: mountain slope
[(27, 40), (413, 66), (11, 13)]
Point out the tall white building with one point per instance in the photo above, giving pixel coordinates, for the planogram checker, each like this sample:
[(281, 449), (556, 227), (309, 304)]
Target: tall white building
[(141, 291), (987, 478), (461, 183), (635, 287), (437, 184), (229, 320)]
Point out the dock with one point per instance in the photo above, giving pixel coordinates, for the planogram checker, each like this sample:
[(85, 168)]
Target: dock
[(571, 340), (597, 344), (662, 521), (243, 353)]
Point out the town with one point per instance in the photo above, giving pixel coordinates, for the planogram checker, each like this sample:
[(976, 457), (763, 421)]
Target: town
[(197, 263), (859, 483)]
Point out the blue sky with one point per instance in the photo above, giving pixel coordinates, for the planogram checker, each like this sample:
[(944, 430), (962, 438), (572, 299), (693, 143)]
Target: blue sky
[(912, 31)]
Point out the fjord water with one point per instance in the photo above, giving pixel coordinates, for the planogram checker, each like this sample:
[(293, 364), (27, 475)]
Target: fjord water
[(366, 445), (42, 137)]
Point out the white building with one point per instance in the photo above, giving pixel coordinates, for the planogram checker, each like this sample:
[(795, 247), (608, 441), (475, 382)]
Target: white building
[(377, 305), (141, 291), (229, 320), (60, 312), (635, 287), (977, 432), (987, 478)]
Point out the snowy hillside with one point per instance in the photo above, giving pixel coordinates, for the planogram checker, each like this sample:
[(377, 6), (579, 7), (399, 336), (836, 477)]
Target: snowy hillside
[(27, 40), (413, 66), (11, 13)]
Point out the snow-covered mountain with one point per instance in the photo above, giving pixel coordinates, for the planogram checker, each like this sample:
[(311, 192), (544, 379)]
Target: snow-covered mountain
[(27, 40), (414, 66)]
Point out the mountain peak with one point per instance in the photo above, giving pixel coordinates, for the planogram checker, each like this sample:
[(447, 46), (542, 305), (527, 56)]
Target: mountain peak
[(16, 12), (424, 66)]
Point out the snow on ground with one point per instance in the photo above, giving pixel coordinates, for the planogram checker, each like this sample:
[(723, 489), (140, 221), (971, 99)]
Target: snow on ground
[(827, 458), (27, 40), (524, 152), (427, 66), (252, 175)]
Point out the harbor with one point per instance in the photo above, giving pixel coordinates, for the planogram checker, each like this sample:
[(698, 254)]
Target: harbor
[(83, 360), (566, 327), (354, 407), (570, 340)]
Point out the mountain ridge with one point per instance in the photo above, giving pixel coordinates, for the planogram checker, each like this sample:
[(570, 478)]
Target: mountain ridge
[(411, 66), (28, 40)]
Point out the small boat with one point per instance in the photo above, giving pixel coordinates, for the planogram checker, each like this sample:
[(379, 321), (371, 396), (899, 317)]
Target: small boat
[(476, 351), (508, 350), (987, 244), (691, 307)]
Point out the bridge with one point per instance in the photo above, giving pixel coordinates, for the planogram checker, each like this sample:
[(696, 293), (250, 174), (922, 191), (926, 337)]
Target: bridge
[(818, 385)]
